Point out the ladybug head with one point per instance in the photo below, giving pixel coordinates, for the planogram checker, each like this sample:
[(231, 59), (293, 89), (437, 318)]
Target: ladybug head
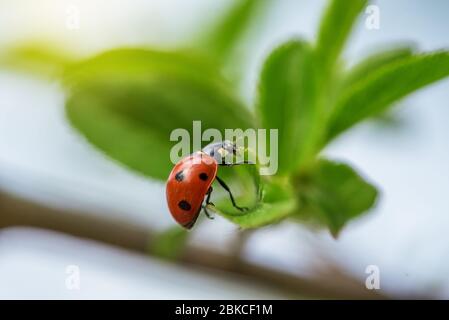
[(223, 152)]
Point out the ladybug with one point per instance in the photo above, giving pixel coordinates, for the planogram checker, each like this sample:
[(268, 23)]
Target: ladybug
[(191, 180)]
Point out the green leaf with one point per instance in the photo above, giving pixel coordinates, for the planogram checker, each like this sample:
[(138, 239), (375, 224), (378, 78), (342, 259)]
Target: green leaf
[(384, 87), (141, 62), (225, 35), (286, 102), (331, 194), (336, 25), (277, 203), (45, 60), (170, 243), (375, 61), (127, 102)]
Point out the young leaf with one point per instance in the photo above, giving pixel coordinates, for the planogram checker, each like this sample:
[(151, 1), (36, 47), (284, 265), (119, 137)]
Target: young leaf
[(127, 103), (222, 39), (139, 62), (45, 60), (286, 102), (375, 61), (332, 193), (277, 203), (262, 215), (336, 25), (387, 85)]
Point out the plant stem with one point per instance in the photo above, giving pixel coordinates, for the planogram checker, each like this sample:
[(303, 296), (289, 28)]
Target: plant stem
[(121, 233)]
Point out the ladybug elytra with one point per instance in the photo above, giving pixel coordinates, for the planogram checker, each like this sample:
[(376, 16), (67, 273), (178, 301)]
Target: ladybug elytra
[(191, 180)]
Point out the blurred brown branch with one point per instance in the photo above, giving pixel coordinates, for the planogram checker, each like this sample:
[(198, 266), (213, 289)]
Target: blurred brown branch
[(337, 284)]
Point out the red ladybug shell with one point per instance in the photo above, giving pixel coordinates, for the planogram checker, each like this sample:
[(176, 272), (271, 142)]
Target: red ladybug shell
[(187, 186)]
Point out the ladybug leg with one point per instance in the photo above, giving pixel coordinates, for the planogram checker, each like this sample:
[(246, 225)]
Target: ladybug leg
[(209, 192), (224, 185), (207, 213)]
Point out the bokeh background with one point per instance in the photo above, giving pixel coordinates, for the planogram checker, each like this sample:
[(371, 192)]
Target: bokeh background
[(47, 170)]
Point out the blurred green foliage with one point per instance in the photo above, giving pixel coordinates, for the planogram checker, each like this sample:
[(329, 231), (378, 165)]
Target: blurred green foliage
[(287, 91), (127, 101), (222, 39), (39, 58), (380, 88), (169, 244), (332, 193)]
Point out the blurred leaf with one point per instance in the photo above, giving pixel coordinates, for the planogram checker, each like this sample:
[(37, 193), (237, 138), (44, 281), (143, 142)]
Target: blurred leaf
[(170, 243), (331, 194), (224, 36), (375, 61), (391, 122), (287, 90), (335, 27), (42, 59), (276, 204), (127, 102), (387, 85), (139, 62)]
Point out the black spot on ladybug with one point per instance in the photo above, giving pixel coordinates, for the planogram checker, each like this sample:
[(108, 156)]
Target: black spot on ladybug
[(204, 176), (184, 205), (179, 176)]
